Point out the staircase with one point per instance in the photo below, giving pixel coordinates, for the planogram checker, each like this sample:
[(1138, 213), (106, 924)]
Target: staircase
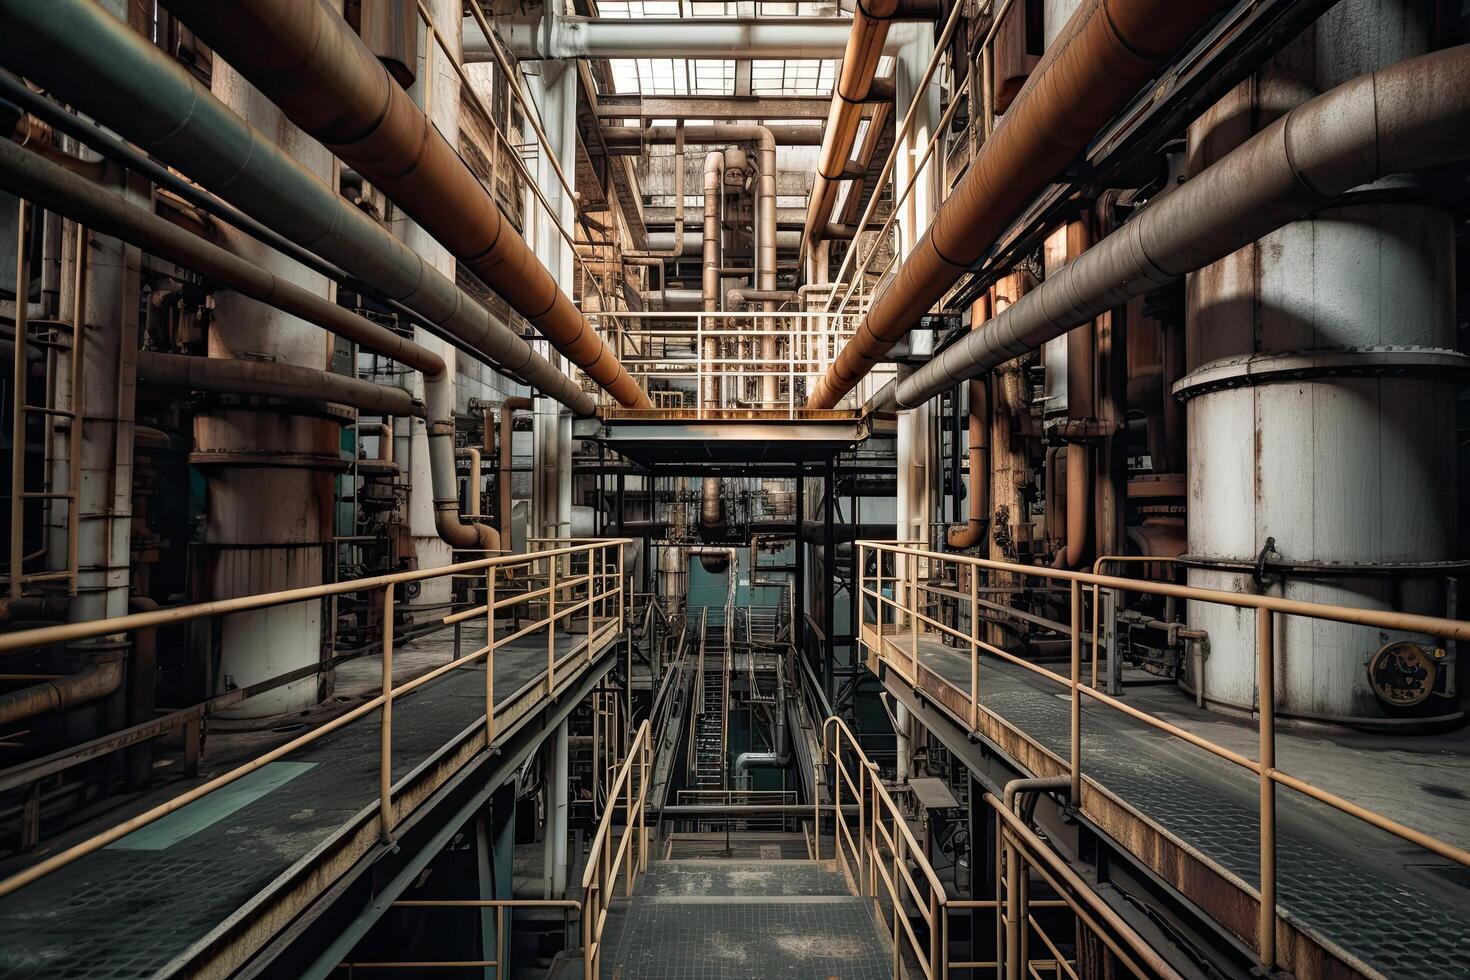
[(744, 917), (710, 729)]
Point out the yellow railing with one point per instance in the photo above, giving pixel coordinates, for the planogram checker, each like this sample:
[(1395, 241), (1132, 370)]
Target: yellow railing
[(597, 591), (629, 858), (884, 861), (904, 613), (881, 852)]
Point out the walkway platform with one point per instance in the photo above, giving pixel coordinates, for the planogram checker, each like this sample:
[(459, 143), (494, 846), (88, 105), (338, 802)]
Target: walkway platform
[(1352, 898), (215, 886), (744, 920)]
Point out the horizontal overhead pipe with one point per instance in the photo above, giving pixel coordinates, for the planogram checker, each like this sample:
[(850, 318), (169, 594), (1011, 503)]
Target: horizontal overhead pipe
[(1409, 116), (97, 63), (634, 140), (1107, 51), (57, 189), (589, 37), (307, 60), (232, 376), (867, 36)]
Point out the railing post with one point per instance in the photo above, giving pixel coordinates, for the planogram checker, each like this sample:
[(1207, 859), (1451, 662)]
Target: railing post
[(911, 564), (1076, 694), (816, 803), (551, 563), (385, 728), (489, 655), (1266, 706), (974, 648), (630, 821)]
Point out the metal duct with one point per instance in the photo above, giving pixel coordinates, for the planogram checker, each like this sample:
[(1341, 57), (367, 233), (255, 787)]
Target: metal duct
[(1408, 116), (865, 42), (1108, 49), (307, 60), (57, 189), (96, 62), (271, 379)]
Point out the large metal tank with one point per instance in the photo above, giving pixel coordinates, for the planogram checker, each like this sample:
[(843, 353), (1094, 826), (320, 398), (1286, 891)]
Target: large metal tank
[(1320, 408)]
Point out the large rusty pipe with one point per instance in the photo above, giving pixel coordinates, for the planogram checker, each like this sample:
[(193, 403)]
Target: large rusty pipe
[(100, 65), (57, 189), (865, 41), (271, 379), (1107, 50), (1411, 115), (307, 60)]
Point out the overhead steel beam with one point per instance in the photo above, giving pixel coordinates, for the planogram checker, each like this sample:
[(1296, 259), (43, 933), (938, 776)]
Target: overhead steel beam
[(591, 37)]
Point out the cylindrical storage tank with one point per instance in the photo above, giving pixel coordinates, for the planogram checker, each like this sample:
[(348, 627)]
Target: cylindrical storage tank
[(1320, 407), (673, 578), (269, 465)]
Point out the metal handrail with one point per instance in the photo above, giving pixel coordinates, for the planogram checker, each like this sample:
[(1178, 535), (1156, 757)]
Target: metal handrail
[(604, 862), (867, 868), (1266, 608), (603, 589)]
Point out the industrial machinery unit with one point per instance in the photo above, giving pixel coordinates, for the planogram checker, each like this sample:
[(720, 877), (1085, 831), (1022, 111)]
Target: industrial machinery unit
[(646, 489)]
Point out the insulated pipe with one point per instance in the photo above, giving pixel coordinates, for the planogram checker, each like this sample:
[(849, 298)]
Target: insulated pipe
[(309, 62), (473, 484), (55, 188), (1408, 116), (91, 683), (969, 534), (508, 408), (1107, 50), (744, 294), (633, 140), (714, 176), (694, 237), (860, 56), (588, 37), (272, 379), (100, 65)]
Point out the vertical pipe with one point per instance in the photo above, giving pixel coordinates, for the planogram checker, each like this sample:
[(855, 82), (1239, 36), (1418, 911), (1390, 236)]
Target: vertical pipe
[(714, 172), (829, 575)]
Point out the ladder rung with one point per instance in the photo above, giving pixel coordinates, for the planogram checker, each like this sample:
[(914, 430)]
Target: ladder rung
[(46, 495), (43, 410)]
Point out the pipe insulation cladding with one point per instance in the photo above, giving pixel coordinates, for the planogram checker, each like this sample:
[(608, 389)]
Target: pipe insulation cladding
[(1108, 49), (308, 61), (97, 63), (1409, 116)]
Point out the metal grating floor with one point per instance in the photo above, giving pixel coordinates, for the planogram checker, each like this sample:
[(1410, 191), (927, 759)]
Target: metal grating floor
[(1352, 885), (135, 908), (792, 920)]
